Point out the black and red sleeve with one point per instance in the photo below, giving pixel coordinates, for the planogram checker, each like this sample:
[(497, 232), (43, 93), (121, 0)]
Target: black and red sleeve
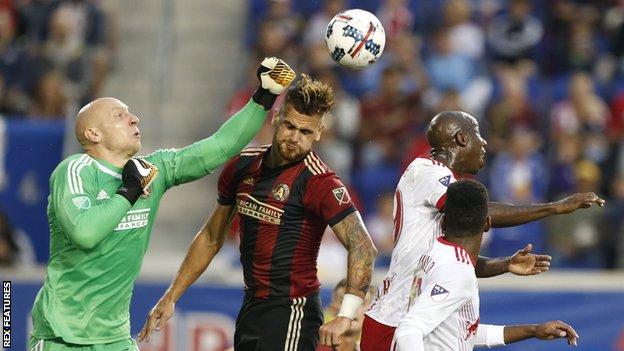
[(227, 183), (328, 198)]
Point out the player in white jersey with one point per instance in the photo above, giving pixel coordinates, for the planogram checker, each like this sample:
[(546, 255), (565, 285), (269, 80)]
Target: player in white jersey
[(457, 149), (443, 311)]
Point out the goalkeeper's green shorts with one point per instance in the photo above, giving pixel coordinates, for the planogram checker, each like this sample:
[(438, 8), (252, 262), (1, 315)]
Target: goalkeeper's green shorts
[(59, 345)]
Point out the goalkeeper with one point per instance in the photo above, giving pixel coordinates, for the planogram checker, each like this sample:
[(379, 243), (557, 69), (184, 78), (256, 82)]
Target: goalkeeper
[(101, 210)]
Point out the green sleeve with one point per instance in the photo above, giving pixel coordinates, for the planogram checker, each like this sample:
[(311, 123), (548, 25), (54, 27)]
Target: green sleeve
[(73, 194), (203, 157)]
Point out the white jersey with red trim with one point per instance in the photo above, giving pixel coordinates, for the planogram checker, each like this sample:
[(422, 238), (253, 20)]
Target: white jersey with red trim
[(444, 302), (418, 201)]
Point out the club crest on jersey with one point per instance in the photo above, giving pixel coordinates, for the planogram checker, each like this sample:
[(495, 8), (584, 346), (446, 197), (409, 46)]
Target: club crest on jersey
[(438, 293), (446, 180), (342, 195), (248, 181), (82, 202), (280, 192)]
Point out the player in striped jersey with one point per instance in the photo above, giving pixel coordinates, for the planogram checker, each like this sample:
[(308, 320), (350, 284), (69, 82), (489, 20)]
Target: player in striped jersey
[(457, 149), (443, 312), (285, 197), (101, 211)]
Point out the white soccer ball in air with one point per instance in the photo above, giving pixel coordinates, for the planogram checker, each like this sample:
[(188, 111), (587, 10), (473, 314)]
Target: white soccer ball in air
[(355, 38)]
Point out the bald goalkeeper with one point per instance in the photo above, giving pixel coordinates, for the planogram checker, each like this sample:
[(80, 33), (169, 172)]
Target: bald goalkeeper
[(101, 210)]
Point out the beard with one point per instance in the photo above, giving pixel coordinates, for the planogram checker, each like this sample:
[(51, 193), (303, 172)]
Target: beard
[(286, 153), (289, 154)]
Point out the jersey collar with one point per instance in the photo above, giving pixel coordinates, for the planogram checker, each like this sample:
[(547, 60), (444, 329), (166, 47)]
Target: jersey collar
[(456, 175), (458, 247), (108, 168)]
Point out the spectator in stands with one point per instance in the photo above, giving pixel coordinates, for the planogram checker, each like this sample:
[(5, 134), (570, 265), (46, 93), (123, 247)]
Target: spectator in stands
[(450, 70), (15, 247), (567, 152), (341, 128), (396, 18), (583, 112), (316, 27), (513, 36), (519, 175), (466, 37), (575, 240), (48, 98), (65, 50), (389, 118), (510, 112), (613, 241), (380, 227), (9, 250)]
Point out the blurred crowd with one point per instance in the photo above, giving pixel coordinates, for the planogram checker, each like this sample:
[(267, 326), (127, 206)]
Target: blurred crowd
[(545, 79), (54, 55)]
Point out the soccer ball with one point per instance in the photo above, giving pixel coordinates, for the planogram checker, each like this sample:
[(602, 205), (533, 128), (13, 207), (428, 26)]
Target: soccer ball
[(355, 38)]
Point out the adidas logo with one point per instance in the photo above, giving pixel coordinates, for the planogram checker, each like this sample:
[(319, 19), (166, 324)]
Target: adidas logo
[(102, 195)]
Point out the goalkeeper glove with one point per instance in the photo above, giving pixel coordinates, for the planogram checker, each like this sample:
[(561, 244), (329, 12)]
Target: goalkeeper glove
[(137, 176), (275, 76)]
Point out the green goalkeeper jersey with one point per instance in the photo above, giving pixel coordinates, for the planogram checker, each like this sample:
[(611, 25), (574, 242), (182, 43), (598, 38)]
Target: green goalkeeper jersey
[(98, 240)]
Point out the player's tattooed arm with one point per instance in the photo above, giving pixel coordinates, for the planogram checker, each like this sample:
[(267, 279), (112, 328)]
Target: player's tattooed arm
[(354, 237), (507, 215)]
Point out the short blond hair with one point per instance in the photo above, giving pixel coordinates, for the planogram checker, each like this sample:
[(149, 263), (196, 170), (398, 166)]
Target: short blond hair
[(310, 97)]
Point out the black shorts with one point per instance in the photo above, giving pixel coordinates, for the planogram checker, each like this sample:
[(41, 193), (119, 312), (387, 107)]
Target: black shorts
[(278, 324)]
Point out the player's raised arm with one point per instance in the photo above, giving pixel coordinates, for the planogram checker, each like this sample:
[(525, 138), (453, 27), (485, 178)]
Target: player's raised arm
[(275, 76), (204, 156), (354, 237), (204, 247), (507, 215)]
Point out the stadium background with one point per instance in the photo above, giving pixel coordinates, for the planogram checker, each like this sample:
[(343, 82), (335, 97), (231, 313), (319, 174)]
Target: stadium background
[(545, 80)]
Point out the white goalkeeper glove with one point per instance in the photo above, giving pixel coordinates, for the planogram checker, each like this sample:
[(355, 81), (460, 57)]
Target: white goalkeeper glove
[(275, 76)]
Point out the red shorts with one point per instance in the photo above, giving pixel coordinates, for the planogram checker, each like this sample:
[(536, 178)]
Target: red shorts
[(376, 336)]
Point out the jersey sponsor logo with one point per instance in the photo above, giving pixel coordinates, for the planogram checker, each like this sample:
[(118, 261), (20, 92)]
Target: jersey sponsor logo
[(439, 293), (280, 192), (446, 180), (247, 205), (134, 219), (82, 202), (102, 195), (342, 195)]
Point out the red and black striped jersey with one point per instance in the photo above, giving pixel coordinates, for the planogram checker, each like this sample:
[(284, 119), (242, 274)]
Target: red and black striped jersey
[(283, 212)]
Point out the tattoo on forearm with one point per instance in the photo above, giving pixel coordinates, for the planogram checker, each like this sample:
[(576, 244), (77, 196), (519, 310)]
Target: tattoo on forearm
[(353, 235)]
